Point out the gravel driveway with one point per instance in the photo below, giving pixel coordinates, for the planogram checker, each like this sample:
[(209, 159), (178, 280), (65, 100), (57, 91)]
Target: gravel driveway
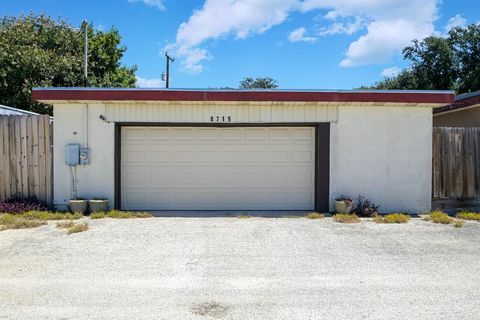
[(230, 268)]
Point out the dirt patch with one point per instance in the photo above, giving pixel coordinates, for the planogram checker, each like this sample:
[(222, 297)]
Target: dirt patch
[(210, 309)]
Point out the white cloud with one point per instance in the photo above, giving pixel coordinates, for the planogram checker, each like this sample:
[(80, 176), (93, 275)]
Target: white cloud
[(299, 35), (151, 3), (390, 72), (149, 83), (390, 25), (383, 40), (347, 27), (219, 18), (456, 21)]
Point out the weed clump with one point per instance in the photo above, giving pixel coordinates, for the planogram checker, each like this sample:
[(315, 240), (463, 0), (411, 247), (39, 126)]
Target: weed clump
[(392, 218), (346, 218), (438, 216)]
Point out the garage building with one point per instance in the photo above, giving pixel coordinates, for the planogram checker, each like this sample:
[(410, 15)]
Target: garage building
[(156, 149)]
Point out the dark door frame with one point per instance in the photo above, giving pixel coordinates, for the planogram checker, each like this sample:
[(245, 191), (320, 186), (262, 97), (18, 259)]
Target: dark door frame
[(322, 153)]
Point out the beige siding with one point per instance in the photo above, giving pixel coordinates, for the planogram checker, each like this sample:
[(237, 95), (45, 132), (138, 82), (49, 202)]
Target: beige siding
[(463, 118), (238, 113)]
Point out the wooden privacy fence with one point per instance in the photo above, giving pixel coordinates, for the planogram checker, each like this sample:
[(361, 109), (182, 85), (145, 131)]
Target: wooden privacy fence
[(456, 163), (26, 157)]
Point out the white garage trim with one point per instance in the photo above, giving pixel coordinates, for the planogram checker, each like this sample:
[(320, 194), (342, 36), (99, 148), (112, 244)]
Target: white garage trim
[(218, 168)]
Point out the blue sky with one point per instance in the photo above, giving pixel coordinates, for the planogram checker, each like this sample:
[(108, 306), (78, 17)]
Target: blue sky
[(304, 44)]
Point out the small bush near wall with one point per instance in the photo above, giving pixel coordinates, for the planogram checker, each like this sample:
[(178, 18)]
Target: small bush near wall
[(365, 208), (16, 205), (468, 215)]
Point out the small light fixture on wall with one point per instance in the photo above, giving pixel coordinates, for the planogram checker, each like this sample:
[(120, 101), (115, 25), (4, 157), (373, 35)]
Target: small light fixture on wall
[(103, 118)]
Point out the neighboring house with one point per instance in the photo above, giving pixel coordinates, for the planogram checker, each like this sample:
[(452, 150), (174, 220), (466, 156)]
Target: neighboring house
[(464, 112), (10, 111), (152, 149)]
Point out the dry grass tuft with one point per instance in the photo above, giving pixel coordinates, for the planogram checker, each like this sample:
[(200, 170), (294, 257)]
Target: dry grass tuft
[(314, 215), (438, 216), (117, 214), (346, 218), (458, 223), (65, 224), (78, 227), (49, 215), (469, 215), (392, 218), (244, 216), (97, 215), (10, 221)]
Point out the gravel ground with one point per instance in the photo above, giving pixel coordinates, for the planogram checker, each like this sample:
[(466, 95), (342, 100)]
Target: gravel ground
[(230, 268)]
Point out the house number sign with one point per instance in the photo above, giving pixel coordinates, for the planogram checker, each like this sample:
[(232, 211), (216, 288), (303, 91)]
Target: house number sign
[(220, 119)]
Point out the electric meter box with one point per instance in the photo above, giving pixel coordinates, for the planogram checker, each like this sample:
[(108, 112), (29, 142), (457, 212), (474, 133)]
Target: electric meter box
[(84, 156), (72, 154)]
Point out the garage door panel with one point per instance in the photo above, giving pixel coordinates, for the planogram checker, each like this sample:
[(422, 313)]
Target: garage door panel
[(185, 168), (303, 134), (163, 134)]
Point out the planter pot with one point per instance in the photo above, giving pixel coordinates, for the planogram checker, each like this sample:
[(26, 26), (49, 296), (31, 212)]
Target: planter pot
[(343, 207), (78, 206), (98, 205)]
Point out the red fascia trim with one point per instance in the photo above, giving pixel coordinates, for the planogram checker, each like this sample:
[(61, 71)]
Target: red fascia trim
[(301, 96), (459, 104)]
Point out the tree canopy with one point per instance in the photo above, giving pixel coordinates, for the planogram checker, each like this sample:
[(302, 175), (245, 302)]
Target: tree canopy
[(37, 51), (451, 62), (258, 83)]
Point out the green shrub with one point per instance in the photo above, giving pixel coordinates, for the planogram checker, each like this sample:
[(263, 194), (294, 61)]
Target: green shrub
[(346, 218), (438, 216), (244, 216), (10, 221), (117, 214), (365, 208), (468, 215), (7, 218), (392, 218), (97, 215), (49, 215), (314, 215)]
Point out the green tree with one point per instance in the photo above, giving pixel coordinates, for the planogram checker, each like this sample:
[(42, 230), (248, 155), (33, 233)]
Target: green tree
[(466, 45), (405, 80), (258, 83), (37, 51), (440, 63), (433, 64)]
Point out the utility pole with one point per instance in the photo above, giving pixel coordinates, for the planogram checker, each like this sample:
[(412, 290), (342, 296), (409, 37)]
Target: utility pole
[(85, 52), (167, 84)]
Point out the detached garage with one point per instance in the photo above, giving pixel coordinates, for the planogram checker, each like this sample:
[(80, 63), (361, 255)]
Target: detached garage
[(243, 150)]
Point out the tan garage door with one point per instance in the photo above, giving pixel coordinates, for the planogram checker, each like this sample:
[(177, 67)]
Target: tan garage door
[(206, 168)]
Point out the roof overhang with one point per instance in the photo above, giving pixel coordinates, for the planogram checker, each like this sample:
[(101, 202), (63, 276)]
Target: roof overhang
[(79, 95), (462, 102)]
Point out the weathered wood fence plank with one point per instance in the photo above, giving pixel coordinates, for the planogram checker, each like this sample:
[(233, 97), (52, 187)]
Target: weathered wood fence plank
[(26, 157), (456, 163)]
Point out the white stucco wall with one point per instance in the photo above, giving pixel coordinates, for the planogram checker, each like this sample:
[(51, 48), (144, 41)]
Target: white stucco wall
[(381, 152), (384, 154), (95, 180)]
